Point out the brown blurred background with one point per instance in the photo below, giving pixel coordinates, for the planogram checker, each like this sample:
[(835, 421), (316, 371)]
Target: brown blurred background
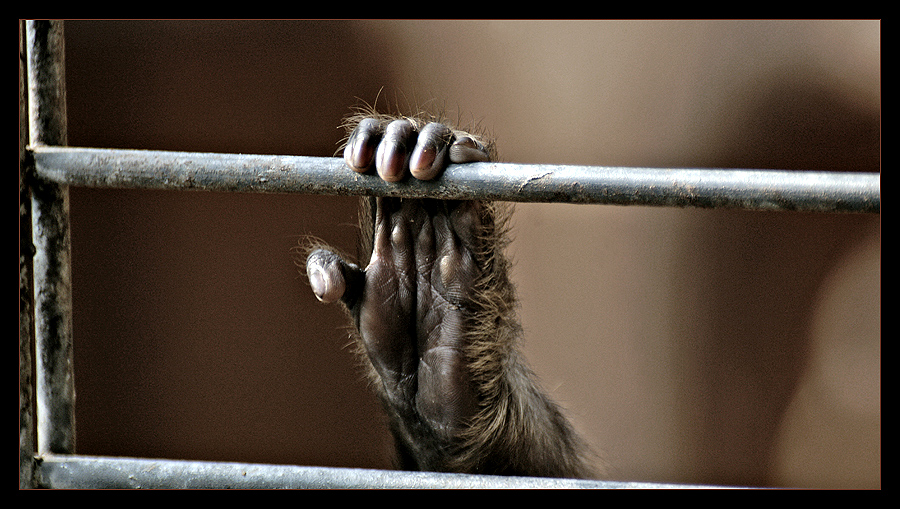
[(696, 346)]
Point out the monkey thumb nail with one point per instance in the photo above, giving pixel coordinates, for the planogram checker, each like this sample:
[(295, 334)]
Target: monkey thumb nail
[(326, 281)]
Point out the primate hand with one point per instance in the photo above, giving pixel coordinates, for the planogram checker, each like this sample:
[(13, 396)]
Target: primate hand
[(413, 300), (435, 314)]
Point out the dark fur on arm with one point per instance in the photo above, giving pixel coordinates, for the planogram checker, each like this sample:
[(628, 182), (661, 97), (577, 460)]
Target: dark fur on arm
[(518, 430), (512, 427)]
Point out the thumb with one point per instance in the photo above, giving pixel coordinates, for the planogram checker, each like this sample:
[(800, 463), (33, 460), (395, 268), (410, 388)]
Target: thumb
[(331, 278)]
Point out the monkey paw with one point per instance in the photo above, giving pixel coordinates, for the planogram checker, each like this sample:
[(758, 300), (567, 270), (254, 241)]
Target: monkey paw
[(434, 311), (412, 301)]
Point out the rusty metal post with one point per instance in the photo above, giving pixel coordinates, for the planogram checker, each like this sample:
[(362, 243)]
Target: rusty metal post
[(54, 384)]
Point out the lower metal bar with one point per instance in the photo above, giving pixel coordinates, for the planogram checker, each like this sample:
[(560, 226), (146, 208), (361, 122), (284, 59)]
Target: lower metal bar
[(707, 188), (69, 472)]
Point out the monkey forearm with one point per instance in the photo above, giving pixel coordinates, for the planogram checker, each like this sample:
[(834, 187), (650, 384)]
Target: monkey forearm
[(522, 432), (434, 310), (514, 428)]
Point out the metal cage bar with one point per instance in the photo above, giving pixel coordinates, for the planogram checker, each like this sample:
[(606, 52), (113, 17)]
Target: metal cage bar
[(48, 167), (118, 473), (49, 207), (707, 188)]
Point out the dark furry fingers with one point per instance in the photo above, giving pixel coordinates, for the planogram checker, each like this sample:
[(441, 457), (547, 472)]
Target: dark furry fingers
[(435, 314), (422, 148)]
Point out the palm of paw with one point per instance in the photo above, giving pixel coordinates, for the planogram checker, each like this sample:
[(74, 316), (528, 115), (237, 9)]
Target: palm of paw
[(412, 302), (413, 314)]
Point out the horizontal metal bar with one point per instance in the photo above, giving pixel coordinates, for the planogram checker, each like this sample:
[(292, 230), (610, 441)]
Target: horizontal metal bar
[(707, 188), (69, 472)]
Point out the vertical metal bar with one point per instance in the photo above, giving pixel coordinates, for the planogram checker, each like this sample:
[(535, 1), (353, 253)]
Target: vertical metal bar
[(26, 289), (55, 387)]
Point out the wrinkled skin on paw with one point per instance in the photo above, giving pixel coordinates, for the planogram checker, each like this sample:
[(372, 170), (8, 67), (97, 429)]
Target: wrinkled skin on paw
[(434, 313), (410, 302)]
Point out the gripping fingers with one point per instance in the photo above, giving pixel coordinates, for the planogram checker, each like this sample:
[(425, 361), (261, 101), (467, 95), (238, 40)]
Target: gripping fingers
[(330, 277), (397, 148), (359, 154), (392, 157), (429, 157), (466, 149)]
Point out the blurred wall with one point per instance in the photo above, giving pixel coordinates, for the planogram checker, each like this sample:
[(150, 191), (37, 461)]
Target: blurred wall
[(697, 346)]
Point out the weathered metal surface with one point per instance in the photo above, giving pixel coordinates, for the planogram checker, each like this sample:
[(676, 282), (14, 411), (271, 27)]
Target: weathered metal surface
[(54, 385), (70, 472), (707, 188)]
